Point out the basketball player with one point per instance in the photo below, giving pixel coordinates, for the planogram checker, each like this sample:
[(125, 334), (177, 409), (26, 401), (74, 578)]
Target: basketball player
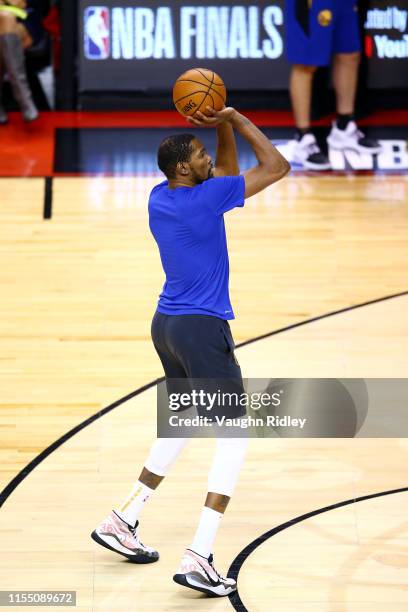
[(317, 32), (190, 328)]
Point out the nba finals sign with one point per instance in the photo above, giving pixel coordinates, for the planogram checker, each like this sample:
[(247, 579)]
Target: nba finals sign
[(129, 45), (206, 32)]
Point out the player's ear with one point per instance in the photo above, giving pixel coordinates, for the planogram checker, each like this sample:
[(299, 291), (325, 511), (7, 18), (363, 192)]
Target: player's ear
[(182, 168)]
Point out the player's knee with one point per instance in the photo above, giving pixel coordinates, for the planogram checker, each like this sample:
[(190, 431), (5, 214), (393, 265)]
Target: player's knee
[(304, 68), (349, 59), (228, 460), (163, 454)]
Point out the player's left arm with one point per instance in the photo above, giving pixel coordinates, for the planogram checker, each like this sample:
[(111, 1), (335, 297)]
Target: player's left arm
[(226, 161)]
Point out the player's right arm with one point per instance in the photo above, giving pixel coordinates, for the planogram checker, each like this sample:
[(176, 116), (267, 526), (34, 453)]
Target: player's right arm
[(272, 166)]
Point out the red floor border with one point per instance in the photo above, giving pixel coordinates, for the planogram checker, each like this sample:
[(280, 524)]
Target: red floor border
[(28, 149)]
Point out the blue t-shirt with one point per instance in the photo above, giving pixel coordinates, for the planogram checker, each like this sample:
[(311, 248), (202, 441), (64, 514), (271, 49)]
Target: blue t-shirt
[(188, 226)]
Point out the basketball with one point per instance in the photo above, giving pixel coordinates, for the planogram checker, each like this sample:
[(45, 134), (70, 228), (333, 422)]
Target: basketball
[(196, 89)]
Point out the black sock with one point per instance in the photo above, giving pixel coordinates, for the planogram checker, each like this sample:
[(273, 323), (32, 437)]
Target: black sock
[(300, 132), (342, 121)]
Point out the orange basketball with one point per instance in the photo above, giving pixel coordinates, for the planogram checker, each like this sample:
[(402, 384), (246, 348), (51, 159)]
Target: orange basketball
[(196, 89)]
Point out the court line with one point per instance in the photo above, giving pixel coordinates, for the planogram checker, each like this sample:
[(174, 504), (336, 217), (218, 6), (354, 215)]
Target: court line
[(240, 559), (7, 491), (319, 317)]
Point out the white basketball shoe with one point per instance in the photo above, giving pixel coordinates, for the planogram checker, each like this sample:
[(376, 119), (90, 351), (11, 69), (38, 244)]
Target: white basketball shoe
[(352, 139), (307, 152), (198, 573), (115, 534)]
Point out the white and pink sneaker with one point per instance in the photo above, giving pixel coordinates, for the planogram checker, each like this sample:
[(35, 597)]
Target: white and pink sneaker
[(198, 573), (117, 535)]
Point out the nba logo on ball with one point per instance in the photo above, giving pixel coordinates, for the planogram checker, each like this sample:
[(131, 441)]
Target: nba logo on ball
[(96, 32)]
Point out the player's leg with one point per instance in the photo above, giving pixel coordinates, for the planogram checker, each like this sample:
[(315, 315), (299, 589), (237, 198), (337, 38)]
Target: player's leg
[(223, 476), (119, 530), (196, 569), (345, 75), (300, 87), (206, 350), (12, 43), (307, 47), (346, 61)]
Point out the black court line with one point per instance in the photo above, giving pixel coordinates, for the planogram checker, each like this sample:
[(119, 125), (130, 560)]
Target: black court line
[(236, 565), (7, 491), (323, 316), (48, 189)]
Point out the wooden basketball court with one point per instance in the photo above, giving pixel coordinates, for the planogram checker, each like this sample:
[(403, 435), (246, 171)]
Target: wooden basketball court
[(78, 294)]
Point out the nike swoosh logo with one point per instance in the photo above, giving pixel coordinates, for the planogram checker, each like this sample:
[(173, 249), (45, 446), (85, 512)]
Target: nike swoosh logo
[(213, 582)]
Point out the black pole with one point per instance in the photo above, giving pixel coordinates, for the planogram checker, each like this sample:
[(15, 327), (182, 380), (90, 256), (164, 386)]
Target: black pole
[(362, 94), (48, 198), (67, 87)]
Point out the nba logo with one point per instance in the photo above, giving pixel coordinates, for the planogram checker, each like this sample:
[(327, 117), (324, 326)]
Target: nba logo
[(96, 32)]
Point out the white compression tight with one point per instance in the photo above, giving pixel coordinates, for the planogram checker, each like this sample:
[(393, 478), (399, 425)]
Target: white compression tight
[(163, 454), (225, 469), (226, 466)]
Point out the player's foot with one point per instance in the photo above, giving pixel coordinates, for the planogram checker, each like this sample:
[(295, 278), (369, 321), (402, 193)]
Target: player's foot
[(308, 153), (198, 573), (115, 534), (352, 139)]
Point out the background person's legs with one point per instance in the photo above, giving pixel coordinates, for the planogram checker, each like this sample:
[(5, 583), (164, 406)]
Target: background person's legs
[(13, 39), (345, 134), (300, 86), (308, 46), (3, 114), (8, 24), (306, 151), (345, 76)]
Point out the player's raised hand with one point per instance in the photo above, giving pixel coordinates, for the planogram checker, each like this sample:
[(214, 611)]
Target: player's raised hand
[(213, 117)]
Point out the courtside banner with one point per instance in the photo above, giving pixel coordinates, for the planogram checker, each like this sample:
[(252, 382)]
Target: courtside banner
[(283, 408), (144, 46), (386, 43), (147, 45)]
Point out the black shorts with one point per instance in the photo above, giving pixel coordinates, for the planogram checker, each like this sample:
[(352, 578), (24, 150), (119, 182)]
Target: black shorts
[(196, 347)]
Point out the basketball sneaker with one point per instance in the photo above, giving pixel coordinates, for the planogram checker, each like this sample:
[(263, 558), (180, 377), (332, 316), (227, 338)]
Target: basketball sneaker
[(198, 573), (352, 138), (117, 535), (307, 152)]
